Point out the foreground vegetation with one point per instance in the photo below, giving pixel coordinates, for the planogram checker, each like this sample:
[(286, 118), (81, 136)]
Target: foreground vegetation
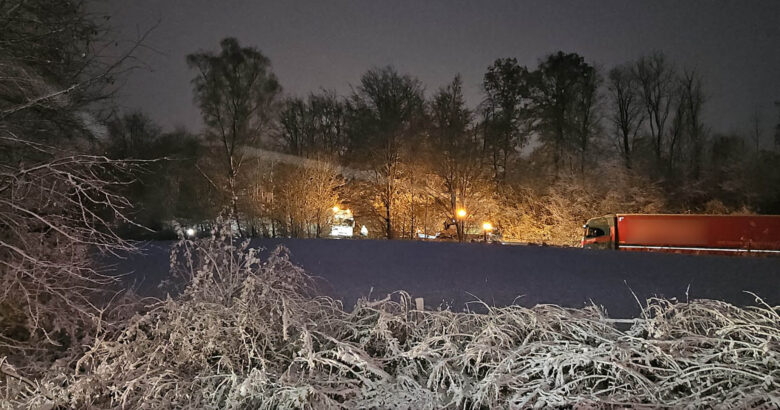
[(252, 333)]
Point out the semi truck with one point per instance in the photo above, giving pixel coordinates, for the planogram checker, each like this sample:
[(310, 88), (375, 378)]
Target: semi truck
[(709, 234)]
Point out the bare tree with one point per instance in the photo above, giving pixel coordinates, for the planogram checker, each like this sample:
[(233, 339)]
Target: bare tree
[(505, 116), (166, 189), (54, 210), (58, 203), (385, 111), (314, 128), (656, 78), (626, 110), (236, 92), (131, 135), (586, 114), (686, 133), (329, 114), (304, 196), (564, 103), (455, 153), (694, 99), (676, 130), (296, 128)]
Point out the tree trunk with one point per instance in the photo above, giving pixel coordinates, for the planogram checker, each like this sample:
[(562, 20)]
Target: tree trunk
[(234, 200), (388, 226)]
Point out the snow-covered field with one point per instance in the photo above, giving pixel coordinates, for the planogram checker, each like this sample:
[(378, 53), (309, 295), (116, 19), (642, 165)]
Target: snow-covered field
[(454, 274)]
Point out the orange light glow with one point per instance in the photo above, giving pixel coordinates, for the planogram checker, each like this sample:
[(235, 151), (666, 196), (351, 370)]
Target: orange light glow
[(461, 213), (487, 226)]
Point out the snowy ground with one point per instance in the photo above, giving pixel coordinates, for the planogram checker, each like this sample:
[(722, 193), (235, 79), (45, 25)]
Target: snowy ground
[(453, 274)]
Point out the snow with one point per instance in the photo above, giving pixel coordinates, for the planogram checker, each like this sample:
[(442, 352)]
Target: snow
[(452, 274)]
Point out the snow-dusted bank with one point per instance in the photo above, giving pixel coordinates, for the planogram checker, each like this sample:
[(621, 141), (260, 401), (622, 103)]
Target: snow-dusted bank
[(452, 274)]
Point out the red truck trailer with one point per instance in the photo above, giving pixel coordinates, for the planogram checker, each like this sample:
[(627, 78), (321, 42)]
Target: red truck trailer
[(720, 234)]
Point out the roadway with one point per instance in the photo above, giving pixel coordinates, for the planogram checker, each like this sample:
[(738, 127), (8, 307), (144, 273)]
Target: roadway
[(452, 274)]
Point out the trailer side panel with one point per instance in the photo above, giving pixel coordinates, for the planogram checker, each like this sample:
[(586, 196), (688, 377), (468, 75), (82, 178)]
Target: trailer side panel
[(726, 233)]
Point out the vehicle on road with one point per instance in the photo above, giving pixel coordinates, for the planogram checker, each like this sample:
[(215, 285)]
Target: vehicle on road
[(342, 224), (714, 234), (472, 233)]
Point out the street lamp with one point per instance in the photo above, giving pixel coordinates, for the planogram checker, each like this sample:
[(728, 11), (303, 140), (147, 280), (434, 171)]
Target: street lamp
[(461, 215), (488, 228)]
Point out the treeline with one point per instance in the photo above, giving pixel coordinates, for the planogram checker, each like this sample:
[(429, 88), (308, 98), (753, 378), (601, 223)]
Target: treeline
[(548, 147)]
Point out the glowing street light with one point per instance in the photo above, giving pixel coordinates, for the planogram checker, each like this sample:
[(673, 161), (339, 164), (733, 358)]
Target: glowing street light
[(488, 228), (335, 209), (190, 232), (461, 216)]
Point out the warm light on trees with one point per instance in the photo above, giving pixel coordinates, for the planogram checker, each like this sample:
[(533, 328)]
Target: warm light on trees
[(304, 198)]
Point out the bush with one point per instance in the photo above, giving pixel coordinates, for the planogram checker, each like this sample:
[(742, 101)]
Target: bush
[(252, 333)]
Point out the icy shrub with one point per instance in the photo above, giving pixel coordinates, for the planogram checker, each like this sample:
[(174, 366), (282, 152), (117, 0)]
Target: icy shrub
[(252, 333)]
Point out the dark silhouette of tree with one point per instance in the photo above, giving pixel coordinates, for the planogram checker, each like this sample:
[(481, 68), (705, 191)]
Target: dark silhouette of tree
[(329, 113), (673, 145), (693, 98), (564, 104), (626, 112), (131, 135), (59, 199), (315, 127), (455, 151), (505, 121), (168, 187), (237, 94), (586, 115), (295, 127), (657, 84), (385, 113)]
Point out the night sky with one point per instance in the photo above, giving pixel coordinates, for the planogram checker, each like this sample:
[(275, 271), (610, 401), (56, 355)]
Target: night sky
[(329, 44)]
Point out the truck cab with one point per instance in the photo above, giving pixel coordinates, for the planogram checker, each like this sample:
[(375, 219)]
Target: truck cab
[(599, 233)]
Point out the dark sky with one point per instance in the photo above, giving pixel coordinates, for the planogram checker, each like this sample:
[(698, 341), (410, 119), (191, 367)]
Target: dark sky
[(329, 44)]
